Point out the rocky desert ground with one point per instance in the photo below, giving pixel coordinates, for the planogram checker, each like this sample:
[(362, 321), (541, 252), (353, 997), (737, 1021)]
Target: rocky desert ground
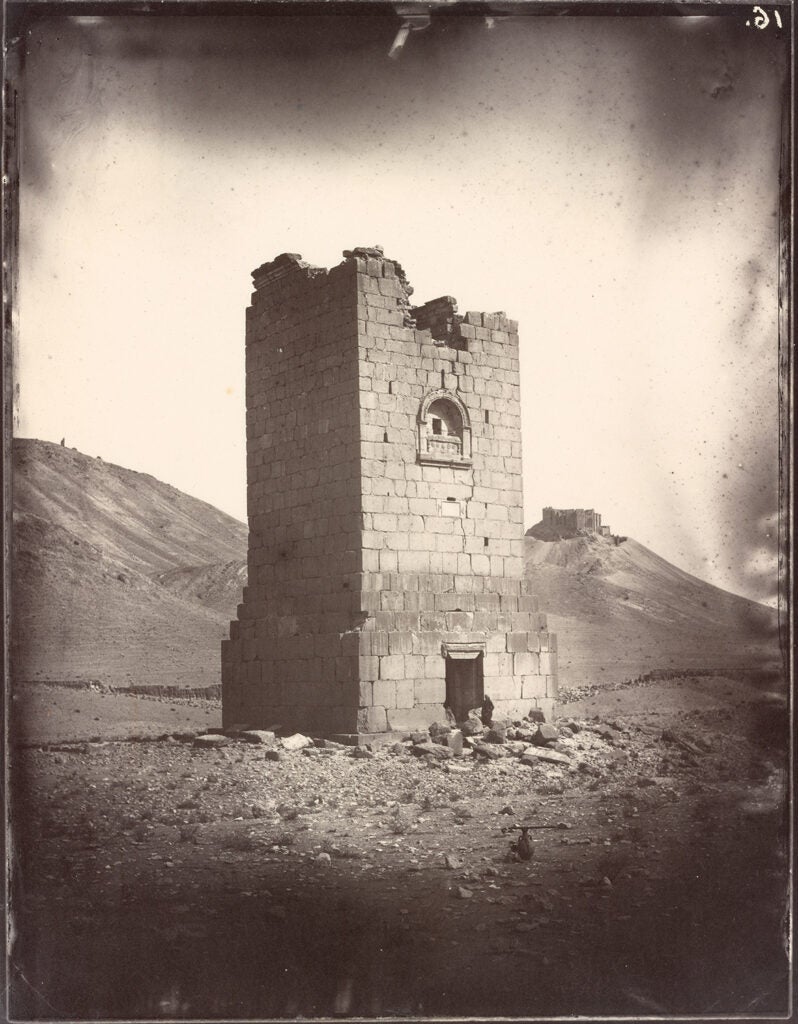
[(163, 871)]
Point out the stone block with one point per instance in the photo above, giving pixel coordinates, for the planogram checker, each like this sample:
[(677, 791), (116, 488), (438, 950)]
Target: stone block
[(384, 693), (392, 667), (413, 561), (400, 643), (433, 622), (452, 602), (485, 621), (517, 642), (426, 643), (379, 643), (434, 666), (459, 621), (526, 664), (534, 686), (388, 560), (513, 567), (498, 664), (430, 691), (371, 560), (533, 756), (480, 564), (415, 665), (533, 642), (416, 718), (369, 667), (512, 709), (503, 688), (405, 693), (496, 643), (372, 719), (345, 669), (546, 705), (407, 621), (548, 663)]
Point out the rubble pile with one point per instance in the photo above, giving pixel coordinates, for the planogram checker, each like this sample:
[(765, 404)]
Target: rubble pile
[(569, 753)]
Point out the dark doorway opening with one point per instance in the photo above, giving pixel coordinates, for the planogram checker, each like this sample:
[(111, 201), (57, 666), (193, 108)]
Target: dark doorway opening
[(465, 687)]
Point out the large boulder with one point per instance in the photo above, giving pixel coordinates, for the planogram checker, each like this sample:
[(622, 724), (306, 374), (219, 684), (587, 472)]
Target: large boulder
[(544, 734), (296, 742), (492, 751)]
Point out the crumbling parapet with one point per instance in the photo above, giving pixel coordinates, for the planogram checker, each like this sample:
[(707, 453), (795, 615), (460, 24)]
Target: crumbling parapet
[(385, 509)]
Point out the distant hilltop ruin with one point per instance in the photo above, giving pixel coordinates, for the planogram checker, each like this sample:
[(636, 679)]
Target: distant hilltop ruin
[(564, 523), (574, 520)]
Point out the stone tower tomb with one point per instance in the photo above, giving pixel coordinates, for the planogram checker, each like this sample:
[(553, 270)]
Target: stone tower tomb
[(385, 510)]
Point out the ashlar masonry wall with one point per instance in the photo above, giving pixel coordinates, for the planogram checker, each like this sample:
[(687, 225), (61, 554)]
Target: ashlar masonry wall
[(385, 509)]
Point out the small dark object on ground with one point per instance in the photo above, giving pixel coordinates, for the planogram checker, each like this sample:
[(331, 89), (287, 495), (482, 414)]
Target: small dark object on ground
[(522, 846)]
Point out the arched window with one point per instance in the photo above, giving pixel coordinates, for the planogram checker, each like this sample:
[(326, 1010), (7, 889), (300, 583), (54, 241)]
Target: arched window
[(444, 430)]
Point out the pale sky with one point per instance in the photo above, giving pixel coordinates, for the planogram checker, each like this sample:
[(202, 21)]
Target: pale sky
[(610, 182)]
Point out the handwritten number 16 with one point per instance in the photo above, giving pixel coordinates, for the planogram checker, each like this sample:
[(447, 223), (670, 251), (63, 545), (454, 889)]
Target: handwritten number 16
[(762, 20)]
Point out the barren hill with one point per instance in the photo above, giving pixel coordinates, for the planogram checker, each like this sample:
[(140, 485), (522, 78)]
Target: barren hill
[(124, 579), (619, 611), (117, 576), (133, 518)]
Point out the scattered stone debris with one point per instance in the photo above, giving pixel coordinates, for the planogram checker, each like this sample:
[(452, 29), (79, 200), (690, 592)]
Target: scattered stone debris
[(434, 750), (211, 740), (263, 736), (329, 745), (534, 755)]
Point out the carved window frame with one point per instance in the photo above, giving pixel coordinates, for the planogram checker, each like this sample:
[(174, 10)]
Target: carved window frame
[(427, 457)]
